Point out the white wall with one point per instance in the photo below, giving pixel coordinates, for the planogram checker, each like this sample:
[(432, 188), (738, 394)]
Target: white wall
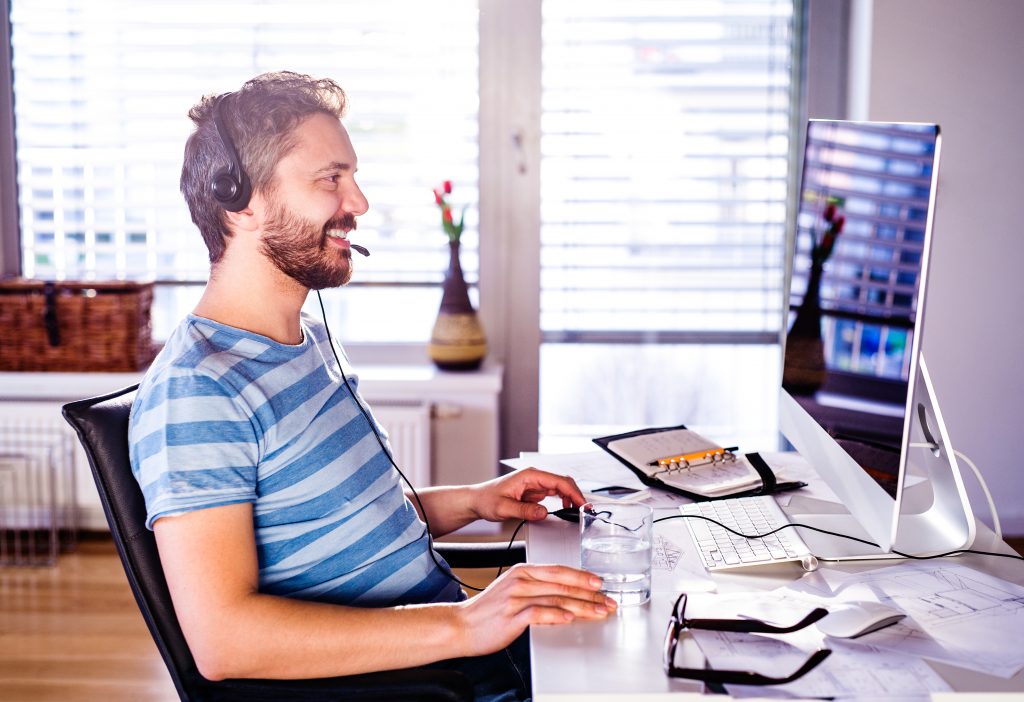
[(960, 64)]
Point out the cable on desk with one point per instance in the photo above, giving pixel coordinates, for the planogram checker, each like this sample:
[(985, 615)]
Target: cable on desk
[(842, 536)]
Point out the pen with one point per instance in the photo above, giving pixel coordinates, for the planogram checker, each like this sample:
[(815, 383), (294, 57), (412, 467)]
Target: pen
[(687, 457)]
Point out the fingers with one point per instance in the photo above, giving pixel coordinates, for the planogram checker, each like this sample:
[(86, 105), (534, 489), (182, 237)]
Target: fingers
[(559, 574), (578, 609), (550, 484), (511, 508), (566, 588)]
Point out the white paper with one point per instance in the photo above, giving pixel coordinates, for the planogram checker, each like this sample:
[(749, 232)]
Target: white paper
[(671, 571), (644, 448), (710, 478), (955, 614)]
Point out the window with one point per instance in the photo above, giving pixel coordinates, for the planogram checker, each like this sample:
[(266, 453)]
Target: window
[(665, 144), (102, 91)]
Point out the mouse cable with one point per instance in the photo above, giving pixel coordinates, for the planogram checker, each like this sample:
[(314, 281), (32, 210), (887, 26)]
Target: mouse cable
[(794, 525), (445, 569)]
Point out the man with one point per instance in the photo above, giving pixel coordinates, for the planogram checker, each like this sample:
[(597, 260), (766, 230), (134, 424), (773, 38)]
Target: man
[(288, 545)]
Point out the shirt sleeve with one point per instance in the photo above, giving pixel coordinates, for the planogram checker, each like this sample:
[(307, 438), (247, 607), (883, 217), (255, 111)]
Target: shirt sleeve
[(193, 444)]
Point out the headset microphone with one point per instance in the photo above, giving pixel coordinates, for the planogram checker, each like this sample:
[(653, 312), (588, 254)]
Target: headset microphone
[(361, 249)]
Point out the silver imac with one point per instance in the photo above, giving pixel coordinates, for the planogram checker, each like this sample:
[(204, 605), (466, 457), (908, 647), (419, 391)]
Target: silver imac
[(856, 399)]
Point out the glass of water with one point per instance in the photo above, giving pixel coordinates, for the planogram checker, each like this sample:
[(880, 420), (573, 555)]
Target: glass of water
[(615, 544)]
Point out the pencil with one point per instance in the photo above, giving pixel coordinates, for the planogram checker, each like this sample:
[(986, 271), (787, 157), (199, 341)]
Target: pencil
[(687, 457)]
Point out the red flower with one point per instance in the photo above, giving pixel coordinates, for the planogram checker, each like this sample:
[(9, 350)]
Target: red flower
[(821, 250), (452, 229)]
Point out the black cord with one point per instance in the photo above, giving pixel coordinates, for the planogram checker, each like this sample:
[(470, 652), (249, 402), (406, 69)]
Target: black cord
[(842, 536), (516, 531), (373, 427)]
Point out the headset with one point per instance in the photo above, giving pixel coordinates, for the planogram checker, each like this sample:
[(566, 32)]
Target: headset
[(230, 186)]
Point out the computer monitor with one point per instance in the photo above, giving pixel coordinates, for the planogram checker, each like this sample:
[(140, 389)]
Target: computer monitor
[(856, 400)]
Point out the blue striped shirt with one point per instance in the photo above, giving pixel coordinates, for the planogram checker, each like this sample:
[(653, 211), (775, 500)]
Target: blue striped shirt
[(225, 416)]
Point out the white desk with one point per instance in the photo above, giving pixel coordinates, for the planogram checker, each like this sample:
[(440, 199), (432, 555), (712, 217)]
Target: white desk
[(621, 657)]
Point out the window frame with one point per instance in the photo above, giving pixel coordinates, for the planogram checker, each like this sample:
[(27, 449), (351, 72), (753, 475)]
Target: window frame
[(10, 230)]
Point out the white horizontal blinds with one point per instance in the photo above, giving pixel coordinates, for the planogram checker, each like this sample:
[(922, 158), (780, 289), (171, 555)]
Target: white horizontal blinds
[(880, 178), (665, 133), (102, 90)]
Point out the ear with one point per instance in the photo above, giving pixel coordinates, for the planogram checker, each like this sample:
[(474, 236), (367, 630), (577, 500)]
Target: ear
[(249, 219)]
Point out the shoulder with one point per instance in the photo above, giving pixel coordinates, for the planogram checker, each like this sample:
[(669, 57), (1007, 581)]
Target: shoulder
[(191, 379)]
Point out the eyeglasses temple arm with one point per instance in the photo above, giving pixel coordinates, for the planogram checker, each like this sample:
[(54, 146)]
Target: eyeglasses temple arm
[(741, 677), (754, 625)]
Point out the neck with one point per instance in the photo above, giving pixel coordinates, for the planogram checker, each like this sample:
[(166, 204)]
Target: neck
[(248, 292)]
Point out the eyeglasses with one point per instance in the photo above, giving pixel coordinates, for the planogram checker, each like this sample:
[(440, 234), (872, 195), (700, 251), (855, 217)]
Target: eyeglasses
[(678, 622)]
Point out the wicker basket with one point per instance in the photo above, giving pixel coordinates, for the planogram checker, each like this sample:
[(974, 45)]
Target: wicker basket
[(75, 326)]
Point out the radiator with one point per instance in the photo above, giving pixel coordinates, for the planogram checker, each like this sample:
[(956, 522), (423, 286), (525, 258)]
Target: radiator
[(407, 423), (37, 485)]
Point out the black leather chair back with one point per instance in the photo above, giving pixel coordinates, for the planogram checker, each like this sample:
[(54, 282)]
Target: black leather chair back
[(102, 427)]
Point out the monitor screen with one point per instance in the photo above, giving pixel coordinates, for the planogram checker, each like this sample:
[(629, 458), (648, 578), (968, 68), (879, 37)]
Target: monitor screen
[(861, 235)]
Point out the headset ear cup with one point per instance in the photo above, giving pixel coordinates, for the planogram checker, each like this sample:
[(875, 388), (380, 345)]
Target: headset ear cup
[(230, 186), (225, 187), (231, 192)]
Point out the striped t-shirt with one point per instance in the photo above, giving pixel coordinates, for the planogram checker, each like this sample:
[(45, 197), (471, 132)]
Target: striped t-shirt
[(225, 416)]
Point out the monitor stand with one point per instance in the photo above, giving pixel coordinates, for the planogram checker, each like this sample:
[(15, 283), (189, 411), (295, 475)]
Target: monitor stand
[(931, 513)]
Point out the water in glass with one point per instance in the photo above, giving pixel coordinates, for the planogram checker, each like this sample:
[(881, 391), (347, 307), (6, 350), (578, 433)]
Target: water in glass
[(623, 562)]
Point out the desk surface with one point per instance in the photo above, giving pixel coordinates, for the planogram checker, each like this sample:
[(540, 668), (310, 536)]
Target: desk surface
[(620, 658)]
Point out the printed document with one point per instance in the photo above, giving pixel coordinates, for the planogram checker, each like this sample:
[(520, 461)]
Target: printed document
[(955, 614)]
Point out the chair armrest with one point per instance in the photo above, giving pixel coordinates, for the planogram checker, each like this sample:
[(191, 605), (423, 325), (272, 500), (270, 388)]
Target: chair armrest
[(481, 555), (428, 684)]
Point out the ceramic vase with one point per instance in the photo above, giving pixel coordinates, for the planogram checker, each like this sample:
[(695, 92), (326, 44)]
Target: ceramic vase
[(457, 341)]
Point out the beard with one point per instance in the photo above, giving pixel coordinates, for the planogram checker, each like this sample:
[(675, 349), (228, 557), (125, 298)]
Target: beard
[(298, 248)]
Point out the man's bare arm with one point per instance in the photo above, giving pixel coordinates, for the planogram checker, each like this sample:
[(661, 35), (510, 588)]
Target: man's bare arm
[(512, 496), (209, 560)]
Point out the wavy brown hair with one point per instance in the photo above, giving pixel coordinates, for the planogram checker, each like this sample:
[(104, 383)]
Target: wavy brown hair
[(261, 118)]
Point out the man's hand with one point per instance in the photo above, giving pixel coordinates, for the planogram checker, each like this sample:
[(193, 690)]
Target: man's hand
[(525, 595), (516, 495)]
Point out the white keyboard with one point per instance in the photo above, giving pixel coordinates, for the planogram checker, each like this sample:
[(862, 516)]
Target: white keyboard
[(719, 549)]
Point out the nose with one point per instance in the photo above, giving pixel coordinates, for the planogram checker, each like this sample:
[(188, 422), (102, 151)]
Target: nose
[(353, 201)]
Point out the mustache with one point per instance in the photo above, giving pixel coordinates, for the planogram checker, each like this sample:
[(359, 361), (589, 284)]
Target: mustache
[(347, 221)]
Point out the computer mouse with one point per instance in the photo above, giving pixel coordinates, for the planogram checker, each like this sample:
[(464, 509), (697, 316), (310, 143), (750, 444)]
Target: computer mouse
[(569, 514), (852, 619)]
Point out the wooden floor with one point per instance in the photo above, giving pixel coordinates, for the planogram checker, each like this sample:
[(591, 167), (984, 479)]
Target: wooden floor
[(74, 632)]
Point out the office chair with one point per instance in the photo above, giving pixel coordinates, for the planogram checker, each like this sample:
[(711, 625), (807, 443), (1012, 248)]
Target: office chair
[(102, 427)]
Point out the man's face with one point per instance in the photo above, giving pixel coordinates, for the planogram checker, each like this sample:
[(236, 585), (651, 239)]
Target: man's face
[(314, 206)]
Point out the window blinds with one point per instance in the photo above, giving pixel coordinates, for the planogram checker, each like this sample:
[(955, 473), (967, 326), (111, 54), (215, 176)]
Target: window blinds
[(665, 136), (102, 91)]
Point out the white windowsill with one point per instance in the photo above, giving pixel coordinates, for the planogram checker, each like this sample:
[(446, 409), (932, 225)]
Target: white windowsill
[(424, 379)]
